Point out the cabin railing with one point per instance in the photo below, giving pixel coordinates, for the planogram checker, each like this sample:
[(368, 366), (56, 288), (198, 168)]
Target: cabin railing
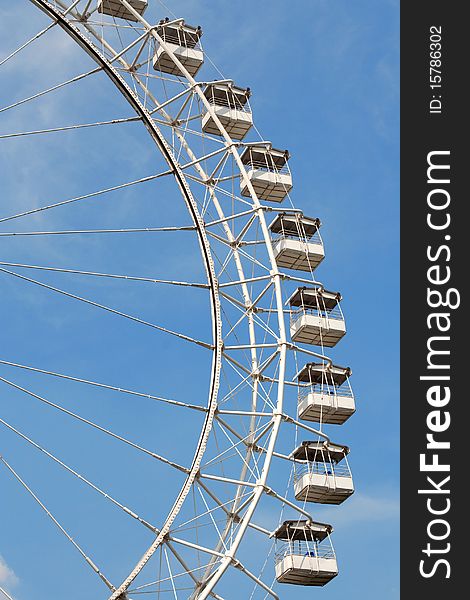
[(262, 165), (301, 235), (325, 389), (230, 102), (334, 313), (180, 38), (303, 548), (321, 468)]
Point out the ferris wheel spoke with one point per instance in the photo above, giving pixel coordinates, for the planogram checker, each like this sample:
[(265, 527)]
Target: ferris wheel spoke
[(51, 89), (188, 572), (263, 396), (134, 65), (268, 557), (246, 280), (234, 562), (27, 43), (209, 512), (88, 196), (193, 132), (232, 520), (230, 257), (170, 572), (245, 381), (108, 275), (225, 264), (80, 477), (248, 311), (169, 401), (203, 158), (251, 349), (96, 231), (245, 442), (107, 432), (248, 225), (308, 352), (311, 281), (219, 167), (180, 120), (240, 303), (69, 127), (245, 413), (220, 239), (230, 218), (235, 363), (248, 346), (220, 505), (221, 456), (252, 259), (119, 313), (60, 527), (5, 593), (257, 580), (256, 485), (162, 105), (84, 14), (292, 421), (200, 524), (222, 191), (188, 544), (142, 38)]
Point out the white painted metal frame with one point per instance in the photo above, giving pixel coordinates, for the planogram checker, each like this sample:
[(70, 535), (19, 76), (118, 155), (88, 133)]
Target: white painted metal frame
[(256, 449)]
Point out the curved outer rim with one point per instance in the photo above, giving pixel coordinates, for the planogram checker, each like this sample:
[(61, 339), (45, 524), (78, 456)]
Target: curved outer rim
[(160, 141), (94, 53)]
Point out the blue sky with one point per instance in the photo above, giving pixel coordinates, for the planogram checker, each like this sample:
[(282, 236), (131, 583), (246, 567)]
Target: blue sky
[(325, 85)]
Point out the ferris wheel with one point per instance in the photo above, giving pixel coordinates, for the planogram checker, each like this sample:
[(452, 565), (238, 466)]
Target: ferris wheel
[(169, 411)]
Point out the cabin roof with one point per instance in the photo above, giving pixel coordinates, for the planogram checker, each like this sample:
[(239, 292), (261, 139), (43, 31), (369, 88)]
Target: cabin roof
[(320, 452), (322, 373), (264, 153), (181, 25), (293, 224), (217, 90), (315, 297), (302, 530)]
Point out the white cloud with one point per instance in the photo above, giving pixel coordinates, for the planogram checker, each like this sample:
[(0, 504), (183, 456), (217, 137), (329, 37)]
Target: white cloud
[(8, 577)]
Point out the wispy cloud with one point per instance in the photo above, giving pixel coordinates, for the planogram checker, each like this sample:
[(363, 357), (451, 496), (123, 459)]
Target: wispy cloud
[(8, 578)]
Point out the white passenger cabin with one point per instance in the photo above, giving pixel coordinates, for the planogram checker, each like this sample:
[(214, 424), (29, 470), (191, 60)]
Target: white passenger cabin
[(325, 394), (114, 8), (297, 243), (316, 317), (322, 473), (230, 104), (268, 171), (304, 553), (184, 41)]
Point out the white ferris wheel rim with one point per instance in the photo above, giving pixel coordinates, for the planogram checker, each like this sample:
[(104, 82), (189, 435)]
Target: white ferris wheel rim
[(59, 13)]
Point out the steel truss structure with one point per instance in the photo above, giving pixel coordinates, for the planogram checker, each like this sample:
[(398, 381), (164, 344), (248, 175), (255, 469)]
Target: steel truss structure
[(249, 415)]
